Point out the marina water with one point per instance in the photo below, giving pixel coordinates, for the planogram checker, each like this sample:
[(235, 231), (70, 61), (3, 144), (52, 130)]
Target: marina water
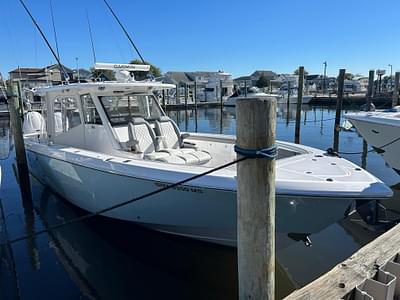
[(107, 259)]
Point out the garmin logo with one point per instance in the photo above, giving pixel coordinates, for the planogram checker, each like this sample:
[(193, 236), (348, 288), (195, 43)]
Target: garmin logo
[(124, 67)]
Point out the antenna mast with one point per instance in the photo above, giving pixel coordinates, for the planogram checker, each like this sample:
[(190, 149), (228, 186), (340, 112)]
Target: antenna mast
[(62, 70), (126, 33)]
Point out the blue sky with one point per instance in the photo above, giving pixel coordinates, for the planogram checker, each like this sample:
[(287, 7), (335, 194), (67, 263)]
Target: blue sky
[(236, 36)]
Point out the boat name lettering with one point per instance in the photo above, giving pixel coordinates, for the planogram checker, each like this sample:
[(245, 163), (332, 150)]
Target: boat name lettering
[(180, 188)]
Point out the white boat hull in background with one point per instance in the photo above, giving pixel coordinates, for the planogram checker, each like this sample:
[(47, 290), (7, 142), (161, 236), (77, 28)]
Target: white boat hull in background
[(383, 134), (293, 99)]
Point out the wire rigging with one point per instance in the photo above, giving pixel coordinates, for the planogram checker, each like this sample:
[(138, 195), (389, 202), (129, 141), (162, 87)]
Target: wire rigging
[(91, 37), (54, 28), (62, 70), (124, 30)]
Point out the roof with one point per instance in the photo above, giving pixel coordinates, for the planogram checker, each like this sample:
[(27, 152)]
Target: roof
[(177, 77), (27, 70), (242, 78), (259, 73), (40, 70)]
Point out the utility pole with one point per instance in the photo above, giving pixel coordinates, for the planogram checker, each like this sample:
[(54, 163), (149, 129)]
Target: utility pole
[(77, 69)]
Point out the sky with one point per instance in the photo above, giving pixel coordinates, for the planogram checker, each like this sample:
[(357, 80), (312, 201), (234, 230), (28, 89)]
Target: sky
[(235, 36)]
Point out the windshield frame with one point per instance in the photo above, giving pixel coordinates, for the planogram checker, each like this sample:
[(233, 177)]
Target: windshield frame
[(111, 119)]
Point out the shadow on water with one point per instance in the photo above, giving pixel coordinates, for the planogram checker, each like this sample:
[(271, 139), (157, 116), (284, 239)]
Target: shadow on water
[(110, 259)]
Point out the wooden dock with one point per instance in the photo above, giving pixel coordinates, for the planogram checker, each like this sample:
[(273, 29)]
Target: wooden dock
[(352, 99), (340, 282)]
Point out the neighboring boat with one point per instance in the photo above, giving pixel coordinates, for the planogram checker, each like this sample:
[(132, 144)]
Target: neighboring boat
[(103, 143), (251, 92), (283, 98), (381, 129)]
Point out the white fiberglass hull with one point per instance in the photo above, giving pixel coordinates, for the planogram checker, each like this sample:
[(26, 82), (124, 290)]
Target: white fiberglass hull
[(293, 99), (200, 213), (383, 134), (193, 210)]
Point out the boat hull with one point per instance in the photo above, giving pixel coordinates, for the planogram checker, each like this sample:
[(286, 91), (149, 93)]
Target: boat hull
[(378, 135), (202, 213)]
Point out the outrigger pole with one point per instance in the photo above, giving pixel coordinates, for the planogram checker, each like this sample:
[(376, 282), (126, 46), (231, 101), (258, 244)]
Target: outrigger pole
[(64, 74), (126, 33)]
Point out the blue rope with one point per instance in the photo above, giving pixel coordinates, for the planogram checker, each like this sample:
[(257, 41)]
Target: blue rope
[(269, 153)]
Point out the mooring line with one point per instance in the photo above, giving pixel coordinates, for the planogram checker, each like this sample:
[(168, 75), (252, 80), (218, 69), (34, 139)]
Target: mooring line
[(90, 215)]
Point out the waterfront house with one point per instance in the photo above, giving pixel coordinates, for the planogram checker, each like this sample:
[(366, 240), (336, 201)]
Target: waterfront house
[(251, 80), (29, 78), (208, 83)]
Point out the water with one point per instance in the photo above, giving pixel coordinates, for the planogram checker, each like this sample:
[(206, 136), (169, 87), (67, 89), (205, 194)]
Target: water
[(101, 258)]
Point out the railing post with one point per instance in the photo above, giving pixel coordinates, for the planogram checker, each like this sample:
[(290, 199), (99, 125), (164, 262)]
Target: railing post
[(339, 101), (256, 124)]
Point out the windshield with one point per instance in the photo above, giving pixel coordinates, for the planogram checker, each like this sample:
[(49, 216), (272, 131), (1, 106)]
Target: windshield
[(121, 109)]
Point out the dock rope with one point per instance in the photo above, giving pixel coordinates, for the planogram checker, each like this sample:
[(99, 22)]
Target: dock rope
[(330, 151), (102, 211), (269, 153)]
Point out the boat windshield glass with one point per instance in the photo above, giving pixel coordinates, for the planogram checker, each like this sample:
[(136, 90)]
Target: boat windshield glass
[(122, 108)]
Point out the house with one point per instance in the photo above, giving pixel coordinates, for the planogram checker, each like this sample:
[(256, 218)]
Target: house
[(363, 81), (251, 80), (35, 77), (3, 92), (208, 83)]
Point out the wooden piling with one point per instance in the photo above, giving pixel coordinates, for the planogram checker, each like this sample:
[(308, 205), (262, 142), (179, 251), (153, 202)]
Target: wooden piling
[(195, 95), (256, 200), (339, 101), (186, 95), (245, 88), (221, 92), (395, 97), (20, 155), (163, 99), (299, 103), (288, 93), (370, 90), (177, 95)]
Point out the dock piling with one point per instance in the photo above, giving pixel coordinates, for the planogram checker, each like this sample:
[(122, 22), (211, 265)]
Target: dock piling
[(256, 121), (395, 97), (16, 128), (299, 103), (339, 101), (370, 89)]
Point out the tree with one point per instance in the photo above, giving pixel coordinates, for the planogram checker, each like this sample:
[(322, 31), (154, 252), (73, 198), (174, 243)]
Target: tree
[(262, 81), (154, 71), (296, 72), (102, 74)]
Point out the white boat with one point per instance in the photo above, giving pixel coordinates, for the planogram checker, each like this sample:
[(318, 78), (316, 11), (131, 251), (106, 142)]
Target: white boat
[(100, 144), (283, 98), (381, 129), (251, 92)]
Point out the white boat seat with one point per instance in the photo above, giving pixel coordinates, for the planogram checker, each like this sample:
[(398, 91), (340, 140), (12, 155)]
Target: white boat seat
[(171, 142), (141, 136)]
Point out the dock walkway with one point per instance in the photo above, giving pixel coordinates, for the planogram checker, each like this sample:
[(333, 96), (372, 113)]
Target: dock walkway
[(360, 270)]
